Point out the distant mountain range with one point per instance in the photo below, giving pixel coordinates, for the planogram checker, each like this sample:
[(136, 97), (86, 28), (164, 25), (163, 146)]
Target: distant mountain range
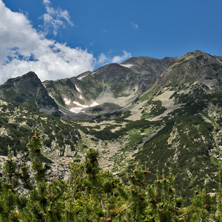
[(116, 84), (166, 112)]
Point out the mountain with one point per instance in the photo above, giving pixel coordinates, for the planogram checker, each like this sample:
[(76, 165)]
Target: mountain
[(60, 139), (165, 113), (117, 84), (28, 89), (192, 67), (186, 100)]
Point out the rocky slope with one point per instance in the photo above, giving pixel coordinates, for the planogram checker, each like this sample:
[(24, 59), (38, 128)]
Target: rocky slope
[(28, 89), (164, 112), (175, 125), (117, 84), (17, 123), (186, 100)]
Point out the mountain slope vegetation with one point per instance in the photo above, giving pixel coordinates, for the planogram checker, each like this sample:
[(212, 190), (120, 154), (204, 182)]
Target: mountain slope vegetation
[(164, 112)]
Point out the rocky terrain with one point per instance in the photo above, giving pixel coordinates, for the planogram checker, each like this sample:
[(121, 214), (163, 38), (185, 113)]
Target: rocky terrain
[(162, 112), (28, 89), (108, 89)]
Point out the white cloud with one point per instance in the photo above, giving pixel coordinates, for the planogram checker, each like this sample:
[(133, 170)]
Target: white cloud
[(46, 1), (105, 59), (54, 19), (102, 59), (118, 59), (134, 25), (24, 49)]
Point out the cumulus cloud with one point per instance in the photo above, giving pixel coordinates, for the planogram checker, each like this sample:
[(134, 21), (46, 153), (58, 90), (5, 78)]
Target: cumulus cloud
[(24, 49), (54, 19)]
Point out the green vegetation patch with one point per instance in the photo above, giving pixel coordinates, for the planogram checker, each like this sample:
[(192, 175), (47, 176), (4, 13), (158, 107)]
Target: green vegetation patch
[(19, 121), (107, 134), (189, 148), (156, 110)]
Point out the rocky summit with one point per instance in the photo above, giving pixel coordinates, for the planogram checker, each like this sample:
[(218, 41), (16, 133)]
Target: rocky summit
[(165, 113), (28, 89)]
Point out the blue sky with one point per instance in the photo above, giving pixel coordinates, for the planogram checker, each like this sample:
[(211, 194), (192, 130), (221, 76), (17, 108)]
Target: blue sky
[(76, 36)]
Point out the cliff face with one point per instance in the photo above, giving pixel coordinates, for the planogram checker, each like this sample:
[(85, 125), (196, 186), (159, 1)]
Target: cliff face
[(28, 89)]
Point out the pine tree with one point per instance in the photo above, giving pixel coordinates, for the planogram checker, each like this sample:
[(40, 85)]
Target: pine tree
[(46, 199), (92, 194), (34, 147), (8, 192), (201, 206), (25, 177), (138, 179), (218, 214)]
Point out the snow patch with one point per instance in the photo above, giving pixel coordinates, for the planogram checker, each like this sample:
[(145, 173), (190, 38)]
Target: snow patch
[(76, 109), (62, 112), (81, 77), (81, 107), (80, 97), (86, 106), (127, 65), (78, 89), (67, 101), (94, 104), (78, 104)]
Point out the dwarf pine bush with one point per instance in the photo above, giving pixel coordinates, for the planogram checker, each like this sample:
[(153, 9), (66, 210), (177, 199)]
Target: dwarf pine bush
[(92, 194)]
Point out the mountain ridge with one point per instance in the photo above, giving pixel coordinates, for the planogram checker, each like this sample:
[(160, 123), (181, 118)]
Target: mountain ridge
[(112, 81), (173, 124), (28, 89)]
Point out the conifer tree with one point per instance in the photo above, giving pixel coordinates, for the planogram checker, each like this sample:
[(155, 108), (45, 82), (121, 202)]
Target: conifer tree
[(138, 178), (201, 207), (46, 199), (92, 169), (8, 192), (92, 194), (218, 214), (25, 177), (34, 147)]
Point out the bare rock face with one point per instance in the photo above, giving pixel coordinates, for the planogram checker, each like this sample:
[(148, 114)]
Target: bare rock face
[(28, 89), (56, 170)]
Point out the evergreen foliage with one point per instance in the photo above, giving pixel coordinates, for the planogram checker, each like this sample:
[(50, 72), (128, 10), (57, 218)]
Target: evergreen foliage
[(92, 194)]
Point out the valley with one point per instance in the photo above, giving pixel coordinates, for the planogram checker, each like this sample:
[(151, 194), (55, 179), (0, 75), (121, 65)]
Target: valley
[(162, 112)]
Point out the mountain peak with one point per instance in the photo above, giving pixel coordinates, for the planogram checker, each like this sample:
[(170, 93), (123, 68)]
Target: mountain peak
[(195, 53), (31, 74), (194, 68), (28, 89)]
